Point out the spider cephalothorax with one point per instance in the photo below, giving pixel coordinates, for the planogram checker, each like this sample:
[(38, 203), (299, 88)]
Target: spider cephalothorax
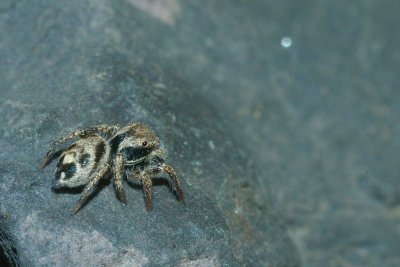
[(104, 151)]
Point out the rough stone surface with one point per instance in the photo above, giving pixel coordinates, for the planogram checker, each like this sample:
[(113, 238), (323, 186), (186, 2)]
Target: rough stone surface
[(288, 156)]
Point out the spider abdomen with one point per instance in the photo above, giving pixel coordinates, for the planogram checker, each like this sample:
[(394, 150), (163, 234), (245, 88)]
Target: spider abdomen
[(80, 161)]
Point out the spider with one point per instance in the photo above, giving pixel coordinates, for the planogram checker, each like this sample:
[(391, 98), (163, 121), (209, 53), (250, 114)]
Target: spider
[(106, 151)]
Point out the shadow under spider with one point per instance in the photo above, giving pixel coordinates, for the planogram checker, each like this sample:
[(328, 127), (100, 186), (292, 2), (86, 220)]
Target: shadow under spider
[(78, 190), (158, 181)]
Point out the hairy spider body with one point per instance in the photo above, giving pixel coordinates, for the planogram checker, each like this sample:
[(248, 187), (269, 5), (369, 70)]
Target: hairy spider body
[(79, 162), (132, 152)]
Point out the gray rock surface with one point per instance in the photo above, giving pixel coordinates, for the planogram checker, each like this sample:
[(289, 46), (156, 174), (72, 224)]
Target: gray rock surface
[(288, 156)]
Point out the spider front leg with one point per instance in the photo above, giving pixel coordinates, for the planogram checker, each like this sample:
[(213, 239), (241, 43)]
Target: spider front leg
[(144, 179), (173, 179), (118, 173), (90, 187), (105, 129)]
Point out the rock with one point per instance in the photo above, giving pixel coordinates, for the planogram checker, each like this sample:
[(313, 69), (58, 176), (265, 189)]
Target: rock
[(71, 65)]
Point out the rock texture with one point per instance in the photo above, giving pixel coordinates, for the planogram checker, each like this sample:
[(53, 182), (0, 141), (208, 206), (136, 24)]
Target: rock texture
[(287, 152)]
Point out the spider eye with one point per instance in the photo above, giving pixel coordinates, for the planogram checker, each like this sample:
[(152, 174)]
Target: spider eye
[(144, 143)]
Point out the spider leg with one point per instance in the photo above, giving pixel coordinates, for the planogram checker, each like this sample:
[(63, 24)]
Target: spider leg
[(51, 152), (90, 187), (118, 172), (143, 178), (106, 129), (173, 179)]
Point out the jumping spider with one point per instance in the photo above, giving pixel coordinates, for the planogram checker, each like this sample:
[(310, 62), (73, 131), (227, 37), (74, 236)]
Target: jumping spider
[(132, 151)]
